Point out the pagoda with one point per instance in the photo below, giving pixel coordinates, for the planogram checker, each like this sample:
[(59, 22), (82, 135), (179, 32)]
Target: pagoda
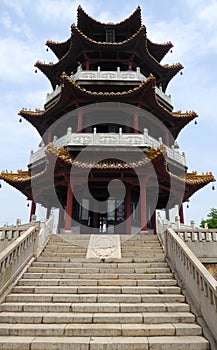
[(108, 156)]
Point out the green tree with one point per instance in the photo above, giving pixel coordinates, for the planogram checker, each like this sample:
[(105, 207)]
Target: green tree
[(211, 219)]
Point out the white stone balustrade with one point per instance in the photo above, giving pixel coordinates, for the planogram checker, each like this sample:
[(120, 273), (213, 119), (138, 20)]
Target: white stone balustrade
[(200, 287), (54, 93), (109, 139), (203, 242), (21, 251), (15, 257), (132, 76)]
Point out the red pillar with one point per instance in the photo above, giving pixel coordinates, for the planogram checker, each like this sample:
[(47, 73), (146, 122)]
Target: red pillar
[(95, 219), (143, 205), (68, 221), (167, 138), (181, 214), (167, 214), (153, 219), (33, 209), (87, 65), (80, 121), (136, 122), (128, 210), (48, 213), (60, 219), (49, 136)]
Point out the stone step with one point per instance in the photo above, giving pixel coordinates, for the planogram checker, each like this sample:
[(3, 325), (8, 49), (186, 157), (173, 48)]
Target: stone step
[(65, 301), (86, 264), (95, 307), (99, 269), (97, 343), (102, 318), (97, 276), (93, 282), (100, 330), (97, 289), (132, 259), (93, 298)]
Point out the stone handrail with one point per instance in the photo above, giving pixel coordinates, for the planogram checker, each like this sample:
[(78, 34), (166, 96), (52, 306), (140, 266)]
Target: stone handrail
[(16, 256), (132, 76), (109, 139), (21, 251), (46, 229), (117, 76), (208, 235), (203, 242), (199, 286), (11, 232)]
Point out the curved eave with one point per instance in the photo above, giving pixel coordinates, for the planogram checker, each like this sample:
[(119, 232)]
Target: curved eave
[(158, 51), (144, 93), (195, 182), (85, 22), (59, 49), (20, 180), (169, 73), (80, 42)]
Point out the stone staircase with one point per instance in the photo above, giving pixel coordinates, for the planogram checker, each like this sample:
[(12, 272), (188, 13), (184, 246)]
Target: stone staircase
[(64, 301)]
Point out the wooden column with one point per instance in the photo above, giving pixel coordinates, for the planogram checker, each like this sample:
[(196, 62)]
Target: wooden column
[(153, 219), (49, 136), (95, 219), (80, 121), (136, 122), (87, 64), (167, 138), (48, 213), (167, 214), (68, 221), (143, 204), (60, 219), (128, 209), (181, 214), (33, 209)]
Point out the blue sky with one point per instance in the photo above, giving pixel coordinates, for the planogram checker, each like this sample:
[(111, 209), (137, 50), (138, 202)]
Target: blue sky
[(25, 26)]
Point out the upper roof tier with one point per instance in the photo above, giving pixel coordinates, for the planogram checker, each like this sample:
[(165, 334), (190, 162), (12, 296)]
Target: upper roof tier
[(96, 30), (109, 46)]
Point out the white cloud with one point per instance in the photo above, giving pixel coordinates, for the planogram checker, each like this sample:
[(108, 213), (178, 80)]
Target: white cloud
[(53, 10), (17, 59), (209, 15), (17, 6), (9, 24)]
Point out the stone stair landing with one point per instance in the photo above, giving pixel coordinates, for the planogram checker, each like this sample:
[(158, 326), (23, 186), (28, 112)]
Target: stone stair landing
[(67, 302)]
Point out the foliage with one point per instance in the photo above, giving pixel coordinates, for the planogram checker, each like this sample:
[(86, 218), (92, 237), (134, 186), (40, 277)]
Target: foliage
[(211, 219)]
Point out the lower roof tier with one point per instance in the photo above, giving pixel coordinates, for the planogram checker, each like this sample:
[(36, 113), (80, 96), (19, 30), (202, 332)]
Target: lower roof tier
[(152, 168)]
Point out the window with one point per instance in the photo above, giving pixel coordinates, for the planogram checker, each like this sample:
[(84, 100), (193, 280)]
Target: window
[(110, 36)]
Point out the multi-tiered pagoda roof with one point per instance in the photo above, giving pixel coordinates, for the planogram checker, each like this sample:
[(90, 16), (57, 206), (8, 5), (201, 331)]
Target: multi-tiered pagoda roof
[(108, 63)]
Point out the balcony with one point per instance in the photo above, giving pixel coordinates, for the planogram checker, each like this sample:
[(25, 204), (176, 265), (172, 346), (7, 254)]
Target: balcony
[(108, 76), (110, 140)]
